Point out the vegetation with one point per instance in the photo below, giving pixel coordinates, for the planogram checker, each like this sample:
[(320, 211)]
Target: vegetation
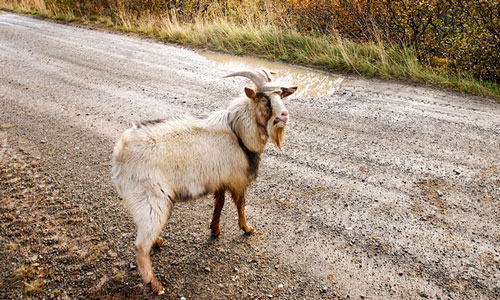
[(452, 44)]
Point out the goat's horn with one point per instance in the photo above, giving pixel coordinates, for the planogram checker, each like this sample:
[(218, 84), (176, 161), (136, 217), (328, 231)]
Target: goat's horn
[(257, 78), (268, 74)]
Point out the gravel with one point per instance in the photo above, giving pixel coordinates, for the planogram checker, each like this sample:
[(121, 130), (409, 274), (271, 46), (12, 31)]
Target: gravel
[(382, 190)]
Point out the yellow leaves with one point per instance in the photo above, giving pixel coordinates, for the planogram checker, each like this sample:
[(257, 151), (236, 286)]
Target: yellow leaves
[(118, 277), (95, 252), (7, 126), (18, 166), (10, 247)]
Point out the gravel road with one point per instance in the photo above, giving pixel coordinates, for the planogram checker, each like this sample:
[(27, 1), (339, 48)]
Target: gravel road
[(382, 190)]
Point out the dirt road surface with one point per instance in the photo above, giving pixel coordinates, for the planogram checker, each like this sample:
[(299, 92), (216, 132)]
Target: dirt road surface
[(381, 191)]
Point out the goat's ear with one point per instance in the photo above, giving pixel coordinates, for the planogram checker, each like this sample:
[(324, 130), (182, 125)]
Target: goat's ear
[(250, 93), (285, 92)]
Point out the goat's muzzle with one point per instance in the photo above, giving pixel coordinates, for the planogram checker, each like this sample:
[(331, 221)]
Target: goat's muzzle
[(280, 121)]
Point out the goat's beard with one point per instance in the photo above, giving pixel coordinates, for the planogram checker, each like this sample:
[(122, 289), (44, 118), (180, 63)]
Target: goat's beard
[(277, 134)]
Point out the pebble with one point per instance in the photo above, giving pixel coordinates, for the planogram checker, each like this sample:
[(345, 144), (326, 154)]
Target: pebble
[(132, 266), (280, 286), (43, 141), (182, 298), (207, 269), (324, 290)]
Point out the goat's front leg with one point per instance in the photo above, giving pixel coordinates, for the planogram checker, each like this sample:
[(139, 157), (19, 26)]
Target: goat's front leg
[(219, 203), (239, 201)]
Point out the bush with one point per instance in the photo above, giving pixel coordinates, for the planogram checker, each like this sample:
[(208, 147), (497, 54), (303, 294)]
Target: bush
[(460, 36)]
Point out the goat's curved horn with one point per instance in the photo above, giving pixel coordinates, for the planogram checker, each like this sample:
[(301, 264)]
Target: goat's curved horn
[(257, 78), (268, 74)]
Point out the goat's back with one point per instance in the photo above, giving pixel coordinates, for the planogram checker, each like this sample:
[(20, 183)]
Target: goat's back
[(179, 159)]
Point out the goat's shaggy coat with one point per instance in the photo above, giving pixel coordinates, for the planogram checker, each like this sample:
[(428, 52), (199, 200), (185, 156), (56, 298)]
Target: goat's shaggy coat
[(158, 163)]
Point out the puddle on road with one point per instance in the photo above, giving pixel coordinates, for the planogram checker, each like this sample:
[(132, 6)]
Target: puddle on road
[(311, 83)]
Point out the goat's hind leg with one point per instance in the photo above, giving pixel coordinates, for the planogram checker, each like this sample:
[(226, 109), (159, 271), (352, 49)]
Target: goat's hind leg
[(219, 204), (159, 242), (150, 218)]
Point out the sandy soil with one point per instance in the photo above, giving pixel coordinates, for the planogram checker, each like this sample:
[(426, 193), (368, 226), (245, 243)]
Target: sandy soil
[(382, 190)]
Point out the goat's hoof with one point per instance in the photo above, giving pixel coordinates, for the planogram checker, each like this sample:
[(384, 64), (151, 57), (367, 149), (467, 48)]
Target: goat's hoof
[(159, 242), (248, 229), (215, 231), (156, 287)]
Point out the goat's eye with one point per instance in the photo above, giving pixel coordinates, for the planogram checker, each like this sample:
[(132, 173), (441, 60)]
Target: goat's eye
[(264, 100)]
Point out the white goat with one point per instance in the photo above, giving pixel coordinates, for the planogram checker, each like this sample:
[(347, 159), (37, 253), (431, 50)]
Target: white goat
[(158, 163)]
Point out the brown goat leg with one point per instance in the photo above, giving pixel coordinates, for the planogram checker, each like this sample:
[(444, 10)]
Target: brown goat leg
[(239, 201), (159, 242), (219, 203)]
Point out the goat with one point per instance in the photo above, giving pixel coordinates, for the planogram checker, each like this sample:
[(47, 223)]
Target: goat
[(159, 163)]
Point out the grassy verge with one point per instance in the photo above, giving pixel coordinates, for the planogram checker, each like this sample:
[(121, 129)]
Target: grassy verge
[(266, 40)]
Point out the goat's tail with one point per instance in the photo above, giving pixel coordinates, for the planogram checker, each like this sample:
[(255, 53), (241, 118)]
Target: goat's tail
[(117, 162)]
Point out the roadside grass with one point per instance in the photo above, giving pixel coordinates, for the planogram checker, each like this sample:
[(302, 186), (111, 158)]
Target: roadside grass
[(257, 36)]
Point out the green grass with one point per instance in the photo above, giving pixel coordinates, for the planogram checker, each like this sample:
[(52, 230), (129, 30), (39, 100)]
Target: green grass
[(328, 52)]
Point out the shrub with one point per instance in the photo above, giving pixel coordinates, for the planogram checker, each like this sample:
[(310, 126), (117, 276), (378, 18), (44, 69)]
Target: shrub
[(460, 36)]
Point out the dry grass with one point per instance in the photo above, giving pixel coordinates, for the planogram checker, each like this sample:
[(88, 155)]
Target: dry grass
[(34, 287), (24, 272)]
